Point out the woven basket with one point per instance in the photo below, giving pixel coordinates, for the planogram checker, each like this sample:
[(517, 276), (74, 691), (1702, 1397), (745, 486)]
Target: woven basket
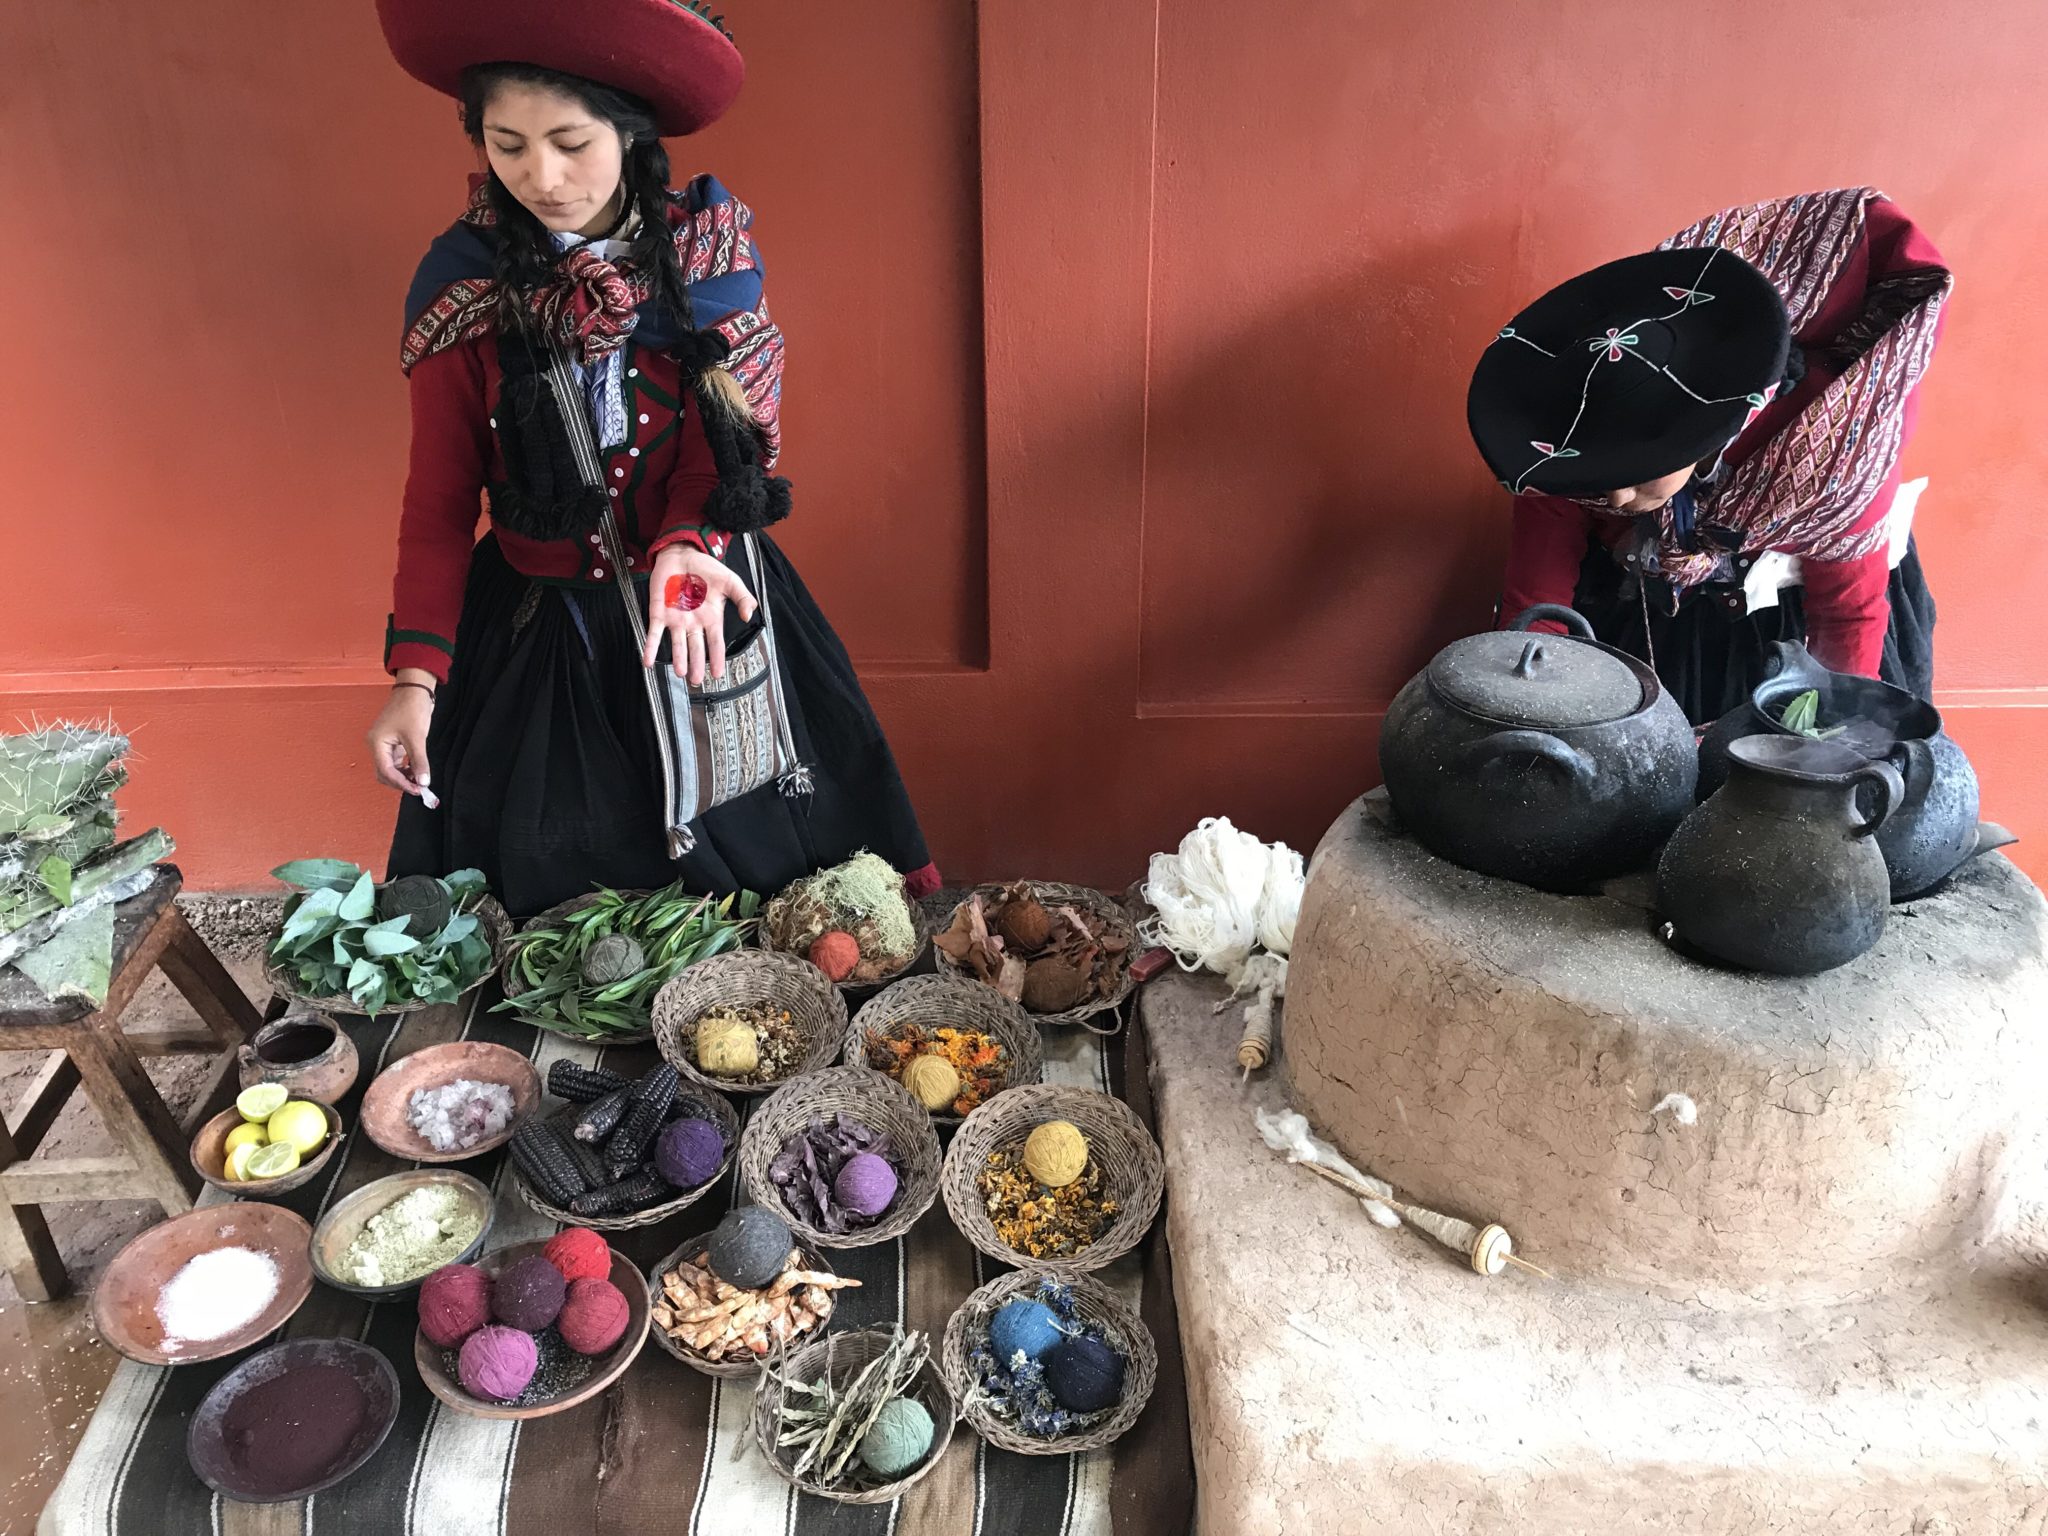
[(1096, 1303), (920, 918), (1050, 894), (878, 1102), (497, 929), (555, 914), (749, 978), (1133, 1170), (728, 1123), (808, 1258), (843, 1355), (932, 1002)]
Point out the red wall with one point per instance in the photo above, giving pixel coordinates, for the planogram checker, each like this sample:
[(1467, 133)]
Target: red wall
[(1128, 351)]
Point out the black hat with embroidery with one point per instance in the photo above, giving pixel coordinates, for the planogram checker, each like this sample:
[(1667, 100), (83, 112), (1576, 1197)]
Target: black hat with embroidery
[(1629, 372)]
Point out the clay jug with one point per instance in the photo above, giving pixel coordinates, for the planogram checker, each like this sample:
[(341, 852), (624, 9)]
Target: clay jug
[(1780, 871), (306, 1051)]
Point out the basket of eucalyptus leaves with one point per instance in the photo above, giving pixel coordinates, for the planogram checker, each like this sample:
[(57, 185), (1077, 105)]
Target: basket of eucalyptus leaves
[(589, 968), (348, 945)]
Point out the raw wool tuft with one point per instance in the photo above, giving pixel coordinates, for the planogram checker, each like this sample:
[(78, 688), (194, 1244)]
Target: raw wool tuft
[(1287, 1132), (1223, 895), (1679, 1106)]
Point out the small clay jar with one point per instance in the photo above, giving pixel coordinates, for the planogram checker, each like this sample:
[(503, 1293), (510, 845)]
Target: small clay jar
[(1779, 871), (306, 1051)]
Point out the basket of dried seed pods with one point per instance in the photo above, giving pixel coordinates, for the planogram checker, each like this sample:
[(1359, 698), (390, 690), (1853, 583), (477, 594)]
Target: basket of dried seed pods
[(1053, 1178), (1062, 951), (1046, 1365), (855, 1417), (844, 1155), (750, 1021), (953, 1043), (727, 1299), (622, 1153)]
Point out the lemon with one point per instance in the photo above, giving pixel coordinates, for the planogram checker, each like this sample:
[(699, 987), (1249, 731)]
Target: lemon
[(244, 1136), (271, 1161), (261, 1101), (238, 1159), (302, 1123)]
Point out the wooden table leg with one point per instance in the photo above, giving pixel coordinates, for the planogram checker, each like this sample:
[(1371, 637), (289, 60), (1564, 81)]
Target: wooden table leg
[(26, 1249), (197, 973), (136, 1115)]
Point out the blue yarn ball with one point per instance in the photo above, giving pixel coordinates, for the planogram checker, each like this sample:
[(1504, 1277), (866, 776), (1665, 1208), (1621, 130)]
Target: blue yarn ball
[(1026, 1325), (1085, 1375)]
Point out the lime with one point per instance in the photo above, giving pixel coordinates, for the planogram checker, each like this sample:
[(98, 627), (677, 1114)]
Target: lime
[(262, 1101), (301, 1123), (238, 1159), (244, 1136), (269, 1162)]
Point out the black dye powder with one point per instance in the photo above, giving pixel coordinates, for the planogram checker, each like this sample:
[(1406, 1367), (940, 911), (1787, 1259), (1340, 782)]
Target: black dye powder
[(293, 1430)]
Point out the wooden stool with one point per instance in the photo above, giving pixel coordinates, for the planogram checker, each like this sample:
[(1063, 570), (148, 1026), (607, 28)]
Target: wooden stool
[(89, 1049)]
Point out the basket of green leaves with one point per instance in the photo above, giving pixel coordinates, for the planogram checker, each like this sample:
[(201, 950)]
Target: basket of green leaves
[(590, 968), (349, 945)]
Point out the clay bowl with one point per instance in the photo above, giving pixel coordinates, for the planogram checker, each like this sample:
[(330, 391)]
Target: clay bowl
[(347, 1217), (610, 1367), (389, 1098), (207, 1449), (209, 1159), (124, 1301)]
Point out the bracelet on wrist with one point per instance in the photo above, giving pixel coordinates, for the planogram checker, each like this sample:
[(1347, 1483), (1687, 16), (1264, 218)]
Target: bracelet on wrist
[(423, 688)]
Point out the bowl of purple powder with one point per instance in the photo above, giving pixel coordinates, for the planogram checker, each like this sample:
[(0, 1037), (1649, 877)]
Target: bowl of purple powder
[(293, 1419)]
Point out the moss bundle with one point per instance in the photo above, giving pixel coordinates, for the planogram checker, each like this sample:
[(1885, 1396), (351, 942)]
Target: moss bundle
[(864, 898)]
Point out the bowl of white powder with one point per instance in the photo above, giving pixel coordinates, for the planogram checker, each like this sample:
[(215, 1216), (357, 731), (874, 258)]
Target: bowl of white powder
[(385, 1238), (204, 1284)]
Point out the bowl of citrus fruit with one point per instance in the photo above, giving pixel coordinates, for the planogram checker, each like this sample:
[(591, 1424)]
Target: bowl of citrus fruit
[(268, 1143)]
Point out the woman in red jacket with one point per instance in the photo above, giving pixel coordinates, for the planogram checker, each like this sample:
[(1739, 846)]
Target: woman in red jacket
[(1674, 425), (624, 682)]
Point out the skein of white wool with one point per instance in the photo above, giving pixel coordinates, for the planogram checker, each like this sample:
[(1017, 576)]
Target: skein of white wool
[(1221, 896), (1288, 1133)]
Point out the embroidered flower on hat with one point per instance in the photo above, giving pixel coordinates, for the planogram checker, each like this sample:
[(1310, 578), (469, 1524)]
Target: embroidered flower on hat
[(1614, 341)]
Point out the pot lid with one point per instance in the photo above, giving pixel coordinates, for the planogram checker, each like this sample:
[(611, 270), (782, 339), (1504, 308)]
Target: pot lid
[(1541, 680)]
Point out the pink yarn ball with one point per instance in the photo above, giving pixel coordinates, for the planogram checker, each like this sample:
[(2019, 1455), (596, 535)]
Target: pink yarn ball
[(498, 1363)]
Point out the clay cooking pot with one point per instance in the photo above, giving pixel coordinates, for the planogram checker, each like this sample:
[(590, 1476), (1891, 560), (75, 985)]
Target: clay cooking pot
[(306, 1051)]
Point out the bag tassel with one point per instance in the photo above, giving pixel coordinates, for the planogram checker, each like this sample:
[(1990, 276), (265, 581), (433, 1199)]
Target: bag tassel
[(681, 841), (796, 784)]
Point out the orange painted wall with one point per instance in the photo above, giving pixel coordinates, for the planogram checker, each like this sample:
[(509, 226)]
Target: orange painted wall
[(1128, 348)]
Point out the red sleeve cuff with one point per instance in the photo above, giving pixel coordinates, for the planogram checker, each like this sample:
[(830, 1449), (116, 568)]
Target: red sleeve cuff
[(690, 534), (417, 648)]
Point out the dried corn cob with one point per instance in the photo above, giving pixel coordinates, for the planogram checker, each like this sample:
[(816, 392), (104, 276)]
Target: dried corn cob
[(579, 1084), (540, 1155), (635, 1192), (652, 1096), (588, 1160), (599, 1120)]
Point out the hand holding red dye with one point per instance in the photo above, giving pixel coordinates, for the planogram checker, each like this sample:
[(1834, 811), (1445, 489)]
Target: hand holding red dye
[(686, 598)]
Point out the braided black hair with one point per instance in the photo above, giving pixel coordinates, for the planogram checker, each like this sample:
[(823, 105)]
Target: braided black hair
[(525, 255)]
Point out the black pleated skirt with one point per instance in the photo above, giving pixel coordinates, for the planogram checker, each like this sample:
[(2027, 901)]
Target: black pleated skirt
[(545, 758), (1709, 654)]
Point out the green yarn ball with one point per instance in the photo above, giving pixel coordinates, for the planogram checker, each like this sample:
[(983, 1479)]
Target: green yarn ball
[(899, 1439)]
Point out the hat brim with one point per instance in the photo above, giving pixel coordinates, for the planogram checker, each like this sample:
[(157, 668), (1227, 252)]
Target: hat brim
[(686, 70)]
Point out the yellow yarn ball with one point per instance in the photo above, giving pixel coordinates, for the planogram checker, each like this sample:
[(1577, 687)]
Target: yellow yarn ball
[(727, 1047), (932, 1081), (1055, 1153)]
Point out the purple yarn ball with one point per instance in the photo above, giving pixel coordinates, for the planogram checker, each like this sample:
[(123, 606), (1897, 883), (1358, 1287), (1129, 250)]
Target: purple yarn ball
[(866, 1184), (529, 1294), (689, 1152), (497, 1363)]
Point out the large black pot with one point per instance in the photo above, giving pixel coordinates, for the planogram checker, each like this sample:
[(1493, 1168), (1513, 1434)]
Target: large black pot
[(1934, 828), (1549, 759)]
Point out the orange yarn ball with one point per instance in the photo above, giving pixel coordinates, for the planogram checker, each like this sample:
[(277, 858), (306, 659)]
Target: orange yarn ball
[(836, 954)]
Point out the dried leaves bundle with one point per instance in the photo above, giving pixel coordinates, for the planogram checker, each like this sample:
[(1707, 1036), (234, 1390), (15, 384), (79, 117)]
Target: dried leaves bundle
[(827, 1419), (808, 1165), (1050, 959)]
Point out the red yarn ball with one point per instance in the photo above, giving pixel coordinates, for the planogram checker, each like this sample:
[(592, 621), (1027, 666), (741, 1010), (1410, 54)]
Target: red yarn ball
[(580, 1254), (455, 1301), (594, 1318), (836, 954)]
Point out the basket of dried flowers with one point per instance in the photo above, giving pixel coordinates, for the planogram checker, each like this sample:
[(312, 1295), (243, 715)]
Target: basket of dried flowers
[(844, 1155), (1063, 952), (1048, 1366), (974, 1042), (750, 1021), (1053, 1178), (855, 1417)]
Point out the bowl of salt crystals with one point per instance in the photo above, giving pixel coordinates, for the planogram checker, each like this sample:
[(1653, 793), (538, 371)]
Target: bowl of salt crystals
[(204, 1284), (449, 1102), (388, 1236)]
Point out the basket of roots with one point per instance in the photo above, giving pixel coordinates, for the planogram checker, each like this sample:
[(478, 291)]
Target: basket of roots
[(855, 921), (620, 1154), (725, 1300), (954, 1044), (348, 945), (590, 968), (1045, 1366), (844, 1156), (1062, 951), (855, 1417), (1053, 1178), (750, 1021)]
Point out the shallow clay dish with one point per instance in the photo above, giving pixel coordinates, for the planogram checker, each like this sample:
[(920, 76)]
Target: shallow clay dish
[(210, 1454), (389, 1099), (209, 1159), (347, 1217), (609, 1367), (124, 1301)]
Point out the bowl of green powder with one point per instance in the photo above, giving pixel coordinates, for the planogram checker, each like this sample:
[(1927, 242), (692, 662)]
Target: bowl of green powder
[(388, 1236)]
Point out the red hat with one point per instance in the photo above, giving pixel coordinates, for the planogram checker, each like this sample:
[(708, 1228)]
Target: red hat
[(671, 54)]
